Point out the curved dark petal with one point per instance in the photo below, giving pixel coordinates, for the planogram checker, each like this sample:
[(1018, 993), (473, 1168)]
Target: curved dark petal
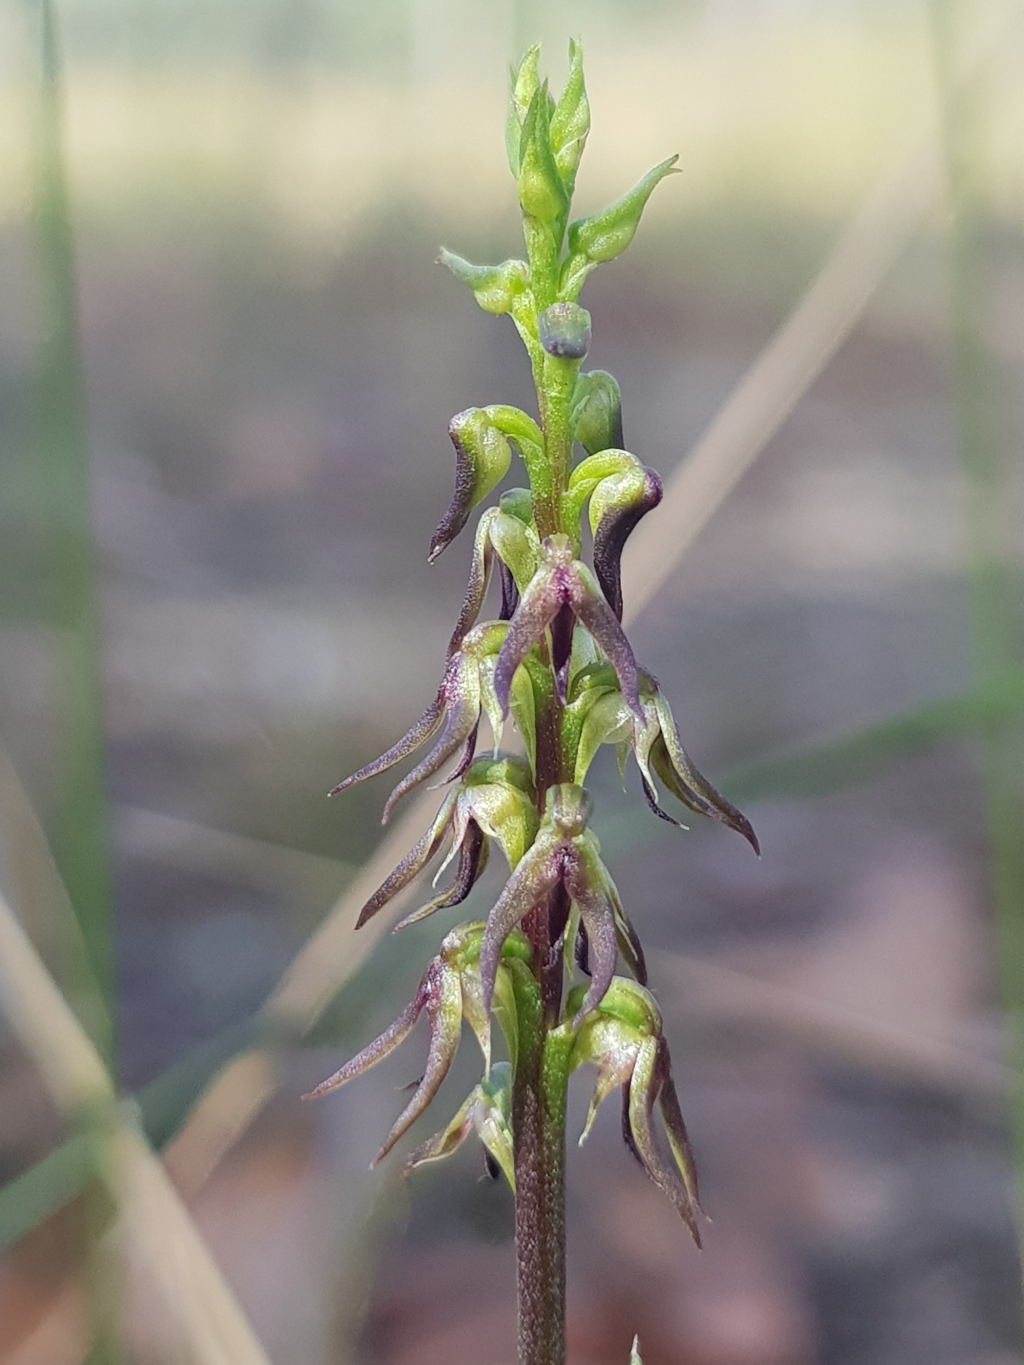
[(644, 1088), (581, 949), (443, 1005), (627, 1132), (410, 741), (630, 947), (472, 861), (509, 592), (596, 615), (613, 530), (536, 874), (597, 914), (476, 589), (558, 914), (651, 798), (482, 458), (466, 757), (689, 785), (411, 865), (678, 1138)]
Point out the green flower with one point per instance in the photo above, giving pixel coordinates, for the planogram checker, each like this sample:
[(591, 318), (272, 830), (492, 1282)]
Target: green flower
[(622, 1037)]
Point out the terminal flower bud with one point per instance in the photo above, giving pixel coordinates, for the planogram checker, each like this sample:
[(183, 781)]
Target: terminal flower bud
[(597, 412), (562, 581), (570, 120), (542, 192), (495, 287), (564, 331), (622, 1036)]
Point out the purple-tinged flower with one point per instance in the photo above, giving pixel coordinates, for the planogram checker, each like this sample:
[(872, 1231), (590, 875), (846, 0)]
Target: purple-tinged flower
[(488, 1110), (567, 855), (494, 800), (449, 992), (440, 996), (598, 714), (623, 1038), (563, 589), (481, 437), (658, 747), (455, 712)]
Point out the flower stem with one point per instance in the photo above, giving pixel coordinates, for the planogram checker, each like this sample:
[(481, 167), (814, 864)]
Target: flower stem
[(538, 1117)]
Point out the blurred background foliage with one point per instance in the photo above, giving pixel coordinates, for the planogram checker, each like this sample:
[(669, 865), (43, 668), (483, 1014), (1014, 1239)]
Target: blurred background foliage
[(226, 370)]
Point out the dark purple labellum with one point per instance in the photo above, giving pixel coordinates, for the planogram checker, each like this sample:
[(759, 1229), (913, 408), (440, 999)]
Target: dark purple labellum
[(611, 535)]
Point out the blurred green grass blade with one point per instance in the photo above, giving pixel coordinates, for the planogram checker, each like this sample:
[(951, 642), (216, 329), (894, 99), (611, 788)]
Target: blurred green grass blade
[(166, 1102), (79, 821), (31, 1198), (837, 763), (992, 512)]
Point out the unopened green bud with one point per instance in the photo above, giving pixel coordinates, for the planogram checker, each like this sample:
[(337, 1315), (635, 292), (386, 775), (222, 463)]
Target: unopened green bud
[(541, 191), (518, 503), (597, 412), (570, 122), (605, 235), (495, 287), (564, 331), (634, 1355), (525, 81)]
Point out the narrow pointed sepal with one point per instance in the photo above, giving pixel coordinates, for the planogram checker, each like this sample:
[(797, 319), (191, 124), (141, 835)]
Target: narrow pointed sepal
[(374, 1052), (409, 743), (412, 864), (535, 876)]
